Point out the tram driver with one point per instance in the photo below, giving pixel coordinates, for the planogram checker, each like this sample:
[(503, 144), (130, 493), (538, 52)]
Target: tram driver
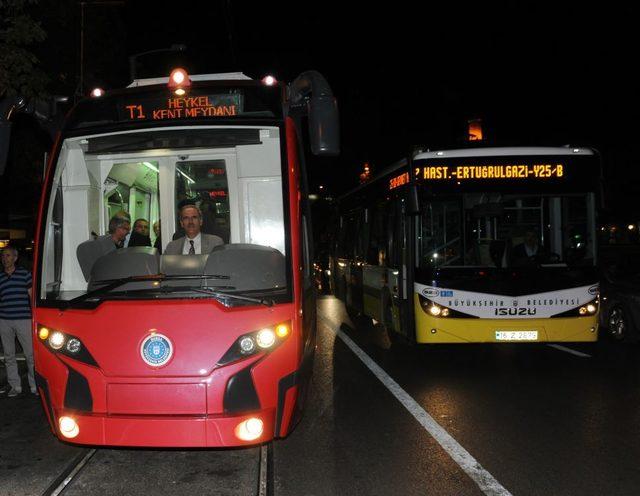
[(194, 242)]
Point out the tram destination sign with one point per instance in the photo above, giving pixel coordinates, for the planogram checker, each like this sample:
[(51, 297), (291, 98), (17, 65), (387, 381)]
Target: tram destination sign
[(475, 172), (177, 108)]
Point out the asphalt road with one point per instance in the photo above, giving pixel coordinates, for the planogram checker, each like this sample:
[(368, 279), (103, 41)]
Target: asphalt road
[(450, 420)]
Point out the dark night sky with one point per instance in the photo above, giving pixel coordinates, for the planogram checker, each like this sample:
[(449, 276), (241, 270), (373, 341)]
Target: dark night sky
[(536, 73)]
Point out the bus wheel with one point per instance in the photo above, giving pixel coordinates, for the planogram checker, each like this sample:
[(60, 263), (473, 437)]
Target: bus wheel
[(618, 324)]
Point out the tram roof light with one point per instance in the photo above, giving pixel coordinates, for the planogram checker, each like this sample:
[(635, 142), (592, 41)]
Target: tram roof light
[(178, 77), (269, 80), (96, 93), (179, 80)]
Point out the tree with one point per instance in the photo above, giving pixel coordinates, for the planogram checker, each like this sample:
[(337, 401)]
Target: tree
[(20, 73)]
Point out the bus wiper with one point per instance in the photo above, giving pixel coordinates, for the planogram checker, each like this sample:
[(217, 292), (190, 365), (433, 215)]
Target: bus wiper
[(223, 294), (112, 284)]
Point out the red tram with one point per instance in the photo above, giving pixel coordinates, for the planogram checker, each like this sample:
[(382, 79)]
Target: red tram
[(137, 347)]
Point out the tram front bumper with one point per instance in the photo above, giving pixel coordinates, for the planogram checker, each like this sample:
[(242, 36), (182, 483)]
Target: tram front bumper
[(165, 431)]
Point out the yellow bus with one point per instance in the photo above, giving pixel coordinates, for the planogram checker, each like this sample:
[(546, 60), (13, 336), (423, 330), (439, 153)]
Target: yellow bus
[(475, 245)]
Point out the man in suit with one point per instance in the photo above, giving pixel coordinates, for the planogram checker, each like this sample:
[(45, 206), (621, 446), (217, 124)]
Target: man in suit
[(194, 242)]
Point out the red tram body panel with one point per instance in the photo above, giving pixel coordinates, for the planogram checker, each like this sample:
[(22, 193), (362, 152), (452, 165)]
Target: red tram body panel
[(170, 359)]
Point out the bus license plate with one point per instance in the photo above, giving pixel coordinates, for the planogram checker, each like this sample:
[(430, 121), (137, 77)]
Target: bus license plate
[(516, 335)]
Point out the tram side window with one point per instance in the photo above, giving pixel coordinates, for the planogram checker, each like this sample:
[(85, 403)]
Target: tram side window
[(53, 258), (132, 188)]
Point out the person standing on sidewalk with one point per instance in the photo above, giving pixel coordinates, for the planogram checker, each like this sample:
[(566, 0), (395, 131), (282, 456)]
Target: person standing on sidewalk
[(15, 319)]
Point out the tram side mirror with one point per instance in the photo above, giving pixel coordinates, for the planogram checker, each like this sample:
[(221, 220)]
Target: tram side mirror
[(324, 126), (5, 136)]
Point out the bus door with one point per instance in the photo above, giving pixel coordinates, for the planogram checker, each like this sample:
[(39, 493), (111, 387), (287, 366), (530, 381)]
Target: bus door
[(383, 280)]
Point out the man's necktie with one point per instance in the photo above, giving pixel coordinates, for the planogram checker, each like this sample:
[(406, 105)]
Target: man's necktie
[(192, 250)]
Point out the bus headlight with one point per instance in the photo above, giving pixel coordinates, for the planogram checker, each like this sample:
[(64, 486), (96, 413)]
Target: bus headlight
[(433, 309), (590, 308), (266, 339)]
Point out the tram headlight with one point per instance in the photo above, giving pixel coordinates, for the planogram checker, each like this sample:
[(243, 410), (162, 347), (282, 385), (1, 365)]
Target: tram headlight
[(74, 345), (264, 340), (247, 345), (68, 427), (250, 429), (43, 333), (56, 340), (65, 344)]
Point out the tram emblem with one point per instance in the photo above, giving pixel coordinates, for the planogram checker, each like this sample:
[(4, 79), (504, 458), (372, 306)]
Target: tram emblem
[(156, 350)]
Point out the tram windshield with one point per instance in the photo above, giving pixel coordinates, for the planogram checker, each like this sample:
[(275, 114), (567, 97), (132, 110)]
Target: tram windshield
[(506, 230), (114, 213)]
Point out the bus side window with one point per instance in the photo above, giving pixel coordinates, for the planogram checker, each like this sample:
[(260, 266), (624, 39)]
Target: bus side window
[(376, 235)]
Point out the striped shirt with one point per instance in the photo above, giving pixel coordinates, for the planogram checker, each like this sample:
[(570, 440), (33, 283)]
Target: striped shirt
[(14, 299)]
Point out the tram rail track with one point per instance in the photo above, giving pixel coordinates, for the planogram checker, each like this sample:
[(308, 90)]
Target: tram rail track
[(265, 483)]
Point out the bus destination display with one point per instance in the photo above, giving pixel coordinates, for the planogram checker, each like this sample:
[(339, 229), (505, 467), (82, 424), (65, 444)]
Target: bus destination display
[(192, 107), (489, 171)]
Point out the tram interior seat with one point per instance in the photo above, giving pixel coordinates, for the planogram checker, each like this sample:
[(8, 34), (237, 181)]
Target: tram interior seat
[(240, 266), (90, 251), (248, 266), (126, 262)]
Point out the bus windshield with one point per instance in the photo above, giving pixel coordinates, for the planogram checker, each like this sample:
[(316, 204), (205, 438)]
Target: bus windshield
[(502, 230), (114, 213)]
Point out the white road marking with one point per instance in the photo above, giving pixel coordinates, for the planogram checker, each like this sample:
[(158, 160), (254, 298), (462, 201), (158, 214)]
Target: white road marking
[(569, 350), (485, 481)]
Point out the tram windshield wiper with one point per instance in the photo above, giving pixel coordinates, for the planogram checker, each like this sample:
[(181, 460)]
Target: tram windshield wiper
[(112, 284), (225, 294)]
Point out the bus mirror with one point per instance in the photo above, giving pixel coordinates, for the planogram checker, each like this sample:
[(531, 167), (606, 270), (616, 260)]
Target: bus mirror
[(324, 126), (413, 204), (5, 135)]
